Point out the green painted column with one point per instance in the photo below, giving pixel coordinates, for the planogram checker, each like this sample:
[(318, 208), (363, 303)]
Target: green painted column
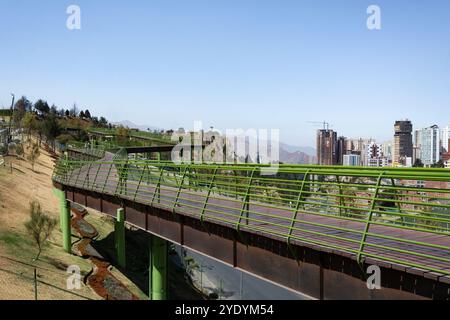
[(158, 269), (120, 237), (64, 219)]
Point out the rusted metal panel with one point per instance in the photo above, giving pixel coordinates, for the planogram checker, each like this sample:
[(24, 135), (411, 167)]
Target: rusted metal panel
[(135, 217), (166, 224), (93, 201), (69, 195), (310, 271), (268, 265), (80, 198), (110, 205), (199, 237)]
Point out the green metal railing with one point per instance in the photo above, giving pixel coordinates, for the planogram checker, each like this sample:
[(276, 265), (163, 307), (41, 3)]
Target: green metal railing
[(397, 215)]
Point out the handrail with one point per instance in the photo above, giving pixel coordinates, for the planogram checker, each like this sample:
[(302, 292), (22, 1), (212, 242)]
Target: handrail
[(390, 214)]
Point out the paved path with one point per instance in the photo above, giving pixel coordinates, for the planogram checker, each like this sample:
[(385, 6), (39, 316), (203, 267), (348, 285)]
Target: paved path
[(390, 244)]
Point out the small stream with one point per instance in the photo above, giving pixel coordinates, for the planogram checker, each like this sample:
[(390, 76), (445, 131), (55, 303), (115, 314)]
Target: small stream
[(100, 279)]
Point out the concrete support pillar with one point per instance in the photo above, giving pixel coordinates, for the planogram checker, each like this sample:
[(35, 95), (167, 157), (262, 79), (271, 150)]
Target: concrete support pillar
[(64, 219), (120, 238), (158, 269)]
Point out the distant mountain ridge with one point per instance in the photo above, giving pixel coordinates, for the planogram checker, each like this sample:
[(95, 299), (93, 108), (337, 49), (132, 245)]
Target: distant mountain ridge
[(132, 125), (290, 148), (288, 153)]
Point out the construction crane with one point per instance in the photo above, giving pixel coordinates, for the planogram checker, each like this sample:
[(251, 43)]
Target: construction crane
[(326, 125)]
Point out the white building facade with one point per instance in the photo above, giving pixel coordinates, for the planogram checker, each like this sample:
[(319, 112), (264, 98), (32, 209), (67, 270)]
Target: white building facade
[(430, 147)]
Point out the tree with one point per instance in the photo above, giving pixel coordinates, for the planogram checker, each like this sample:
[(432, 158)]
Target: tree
[(74, 110), (82, 115), (54, 110), (103, 122), (19, 150), (51, 129), (40, 226), (42, 107), (87, 114), (64, 138), (418, 163), (20, 109), (29, 122), (95, 121), (122, 133), (34, 154), (439, 164), (67, 113)]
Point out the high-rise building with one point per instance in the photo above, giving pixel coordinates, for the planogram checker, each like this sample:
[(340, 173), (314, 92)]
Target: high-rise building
[(375, 156), (373, 150), (417, 145), (326, 147), (403, 146), (359, 145), (446, 138), (341, 149), (430, 145), (351, 160), (387, 149)]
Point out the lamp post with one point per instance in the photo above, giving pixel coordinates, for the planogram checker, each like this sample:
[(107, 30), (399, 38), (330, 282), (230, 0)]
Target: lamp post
[(10, 119)]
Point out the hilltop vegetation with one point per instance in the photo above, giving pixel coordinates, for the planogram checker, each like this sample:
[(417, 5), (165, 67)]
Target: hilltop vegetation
[(55, 125)]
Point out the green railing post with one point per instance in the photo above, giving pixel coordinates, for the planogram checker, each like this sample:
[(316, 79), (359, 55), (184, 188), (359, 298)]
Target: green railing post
[(246, 203), (65, 220), (107, 177), (94, 184), (399, 206), (120, 238), (86, 179), (297, 206), (369, 219), (140, 181), (123, 178), (341, 199), (158, 272), (179, 189), (209, 193), (158, 188)]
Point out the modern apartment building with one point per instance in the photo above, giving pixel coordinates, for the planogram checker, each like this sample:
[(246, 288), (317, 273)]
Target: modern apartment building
[(403, 145), (341, 149), (430, 148), (387, 149), (351, 160), (446, 138)]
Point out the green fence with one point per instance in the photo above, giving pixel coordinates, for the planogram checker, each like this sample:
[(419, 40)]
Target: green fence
[(397, 215)]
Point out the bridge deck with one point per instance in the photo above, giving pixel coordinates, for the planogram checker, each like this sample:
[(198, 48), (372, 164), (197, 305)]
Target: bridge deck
[(396, 245)]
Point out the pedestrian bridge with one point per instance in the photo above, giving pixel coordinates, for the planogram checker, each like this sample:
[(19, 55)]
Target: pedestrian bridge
[(312, 229)]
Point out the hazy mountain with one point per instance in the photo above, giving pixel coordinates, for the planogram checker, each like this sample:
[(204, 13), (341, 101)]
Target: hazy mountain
[(132, 125), (297, 157), (288, 153), (290, 148)]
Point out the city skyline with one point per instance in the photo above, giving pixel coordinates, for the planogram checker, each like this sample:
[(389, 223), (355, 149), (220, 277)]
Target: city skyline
[(258, 65)]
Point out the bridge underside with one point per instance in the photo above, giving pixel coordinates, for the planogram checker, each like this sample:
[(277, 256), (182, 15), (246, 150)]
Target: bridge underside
[(321, 274)]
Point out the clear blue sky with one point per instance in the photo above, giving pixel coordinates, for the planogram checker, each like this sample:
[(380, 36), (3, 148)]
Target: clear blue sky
[(234, 63)]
